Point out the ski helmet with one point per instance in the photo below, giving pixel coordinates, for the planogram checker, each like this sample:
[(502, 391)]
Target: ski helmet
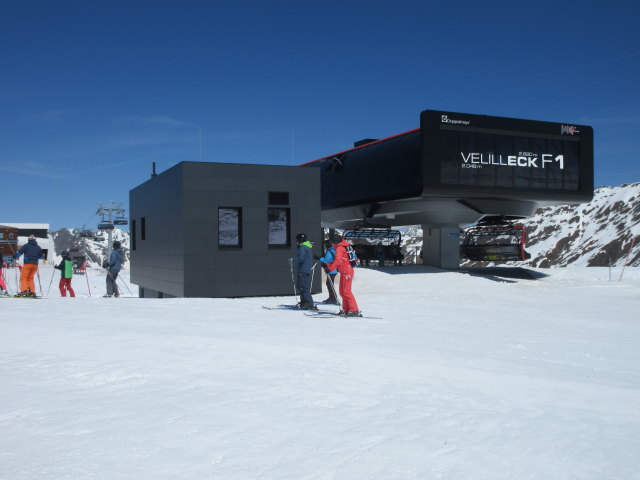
[(116, 244), (65, 254), (301, 238)]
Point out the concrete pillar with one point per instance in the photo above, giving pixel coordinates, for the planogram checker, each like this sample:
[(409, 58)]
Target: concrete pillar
[(441, 246)]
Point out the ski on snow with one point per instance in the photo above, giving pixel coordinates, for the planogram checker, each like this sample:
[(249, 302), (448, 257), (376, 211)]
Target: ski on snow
[(317, 313), (323, 314), (293, 307)]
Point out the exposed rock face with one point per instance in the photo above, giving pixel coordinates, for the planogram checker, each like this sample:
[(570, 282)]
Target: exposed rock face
[(597, 233)]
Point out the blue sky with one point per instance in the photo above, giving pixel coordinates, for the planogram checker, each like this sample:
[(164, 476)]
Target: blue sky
[(91, 93)]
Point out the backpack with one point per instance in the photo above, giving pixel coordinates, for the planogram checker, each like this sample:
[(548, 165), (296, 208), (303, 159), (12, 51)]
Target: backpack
[(351, 254)]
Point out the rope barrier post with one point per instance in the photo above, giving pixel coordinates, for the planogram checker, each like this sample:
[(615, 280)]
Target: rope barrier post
[(86, 276)]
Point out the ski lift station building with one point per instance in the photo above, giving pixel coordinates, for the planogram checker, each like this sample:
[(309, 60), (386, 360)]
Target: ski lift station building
[(205, 229), (221, 230)]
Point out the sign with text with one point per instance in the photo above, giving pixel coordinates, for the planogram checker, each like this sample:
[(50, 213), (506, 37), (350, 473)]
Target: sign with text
[(487, 153)]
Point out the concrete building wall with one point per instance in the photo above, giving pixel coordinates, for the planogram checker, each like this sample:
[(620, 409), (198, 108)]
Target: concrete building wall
[(199, 267)]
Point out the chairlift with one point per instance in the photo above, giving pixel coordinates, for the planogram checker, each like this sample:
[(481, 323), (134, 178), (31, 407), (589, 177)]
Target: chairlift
[(120, 221), (494, 239), (378, 246), (105, 225), (86, 233), (386, 235)]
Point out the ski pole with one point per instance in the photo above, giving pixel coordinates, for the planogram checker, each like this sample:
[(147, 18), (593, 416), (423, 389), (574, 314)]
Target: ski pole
[(49, 289), (333, 287), (293, 280), (40, 284), (125, 285), (15, 269), (313, 271)]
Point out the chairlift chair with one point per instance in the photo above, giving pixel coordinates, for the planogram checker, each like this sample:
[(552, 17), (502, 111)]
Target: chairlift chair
[(494, 239), (382, 237), (120, 221), (105, 225), (373, 233)]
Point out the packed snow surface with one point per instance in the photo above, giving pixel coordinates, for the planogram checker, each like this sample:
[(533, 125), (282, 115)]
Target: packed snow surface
[(464, 376)]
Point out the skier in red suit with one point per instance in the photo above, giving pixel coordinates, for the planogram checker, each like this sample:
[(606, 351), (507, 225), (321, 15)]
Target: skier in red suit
[(341, 263)]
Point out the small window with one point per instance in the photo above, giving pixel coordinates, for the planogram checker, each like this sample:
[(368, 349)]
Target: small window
[(1, 234), (230, 227), (278, 198), (279, 227), (143, 232), (133, 234), (11, 236)]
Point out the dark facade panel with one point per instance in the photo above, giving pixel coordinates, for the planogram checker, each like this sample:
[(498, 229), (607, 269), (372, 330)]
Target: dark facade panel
[(209, 261), (379, 171)]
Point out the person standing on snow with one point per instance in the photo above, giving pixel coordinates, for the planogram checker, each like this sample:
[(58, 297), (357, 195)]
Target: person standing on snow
[(113, 267), (3, 285), (329, 257), (32, 255), (343, 265), (303, 262), (66, 273)]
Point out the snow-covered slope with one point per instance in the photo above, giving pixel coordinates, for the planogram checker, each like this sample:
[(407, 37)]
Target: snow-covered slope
[(465, 377), (591, 234)]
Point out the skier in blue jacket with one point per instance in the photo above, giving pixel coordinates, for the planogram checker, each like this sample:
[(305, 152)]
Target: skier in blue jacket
[(32, 255), (303, 261), (113, 269)]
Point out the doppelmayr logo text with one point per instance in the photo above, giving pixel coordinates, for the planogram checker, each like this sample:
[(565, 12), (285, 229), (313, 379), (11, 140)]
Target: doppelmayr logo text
[(446, 119)]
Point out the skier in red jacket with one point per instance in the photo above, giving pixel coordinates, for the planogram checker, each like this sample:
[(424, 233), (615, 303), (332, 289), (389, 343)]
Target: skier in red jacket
[(342, 264)]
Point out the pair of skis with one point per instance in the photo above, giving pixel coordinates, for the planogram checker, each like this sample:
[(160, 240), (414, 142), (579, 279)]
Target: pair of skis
[(317, 313)]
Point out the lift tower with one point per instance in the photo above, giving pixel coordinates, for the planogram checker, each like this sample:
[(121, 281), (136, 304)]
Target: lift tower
[(107, 210)]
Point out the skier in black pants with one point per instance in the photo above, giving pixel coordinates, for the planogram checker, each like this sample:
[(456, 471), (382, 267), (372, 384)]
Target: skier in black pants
[(303, 261), (113, 267), (329, 257)]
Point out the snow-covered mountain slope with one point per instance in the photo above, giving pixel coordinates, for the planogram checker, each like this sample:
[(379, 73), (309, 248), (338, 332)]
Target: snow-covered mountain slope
[(94, 248), (592, 234)]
